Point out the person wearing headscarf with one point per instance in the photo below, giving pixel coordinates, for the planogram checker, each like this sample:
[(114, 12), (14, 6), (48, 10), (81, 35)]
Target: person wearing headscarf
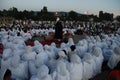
[(70, 42), (58, 29), (6, 58), (42, 55), (75, 68), (26, 35), (81, 48), (63, 46), (98, 58), (54, 49), (61, 57), (38, 47), (88, 66), (48, 51), (34, 65), (29, 55), (43, 73), (19, 69), (114, 59), (61, 72)]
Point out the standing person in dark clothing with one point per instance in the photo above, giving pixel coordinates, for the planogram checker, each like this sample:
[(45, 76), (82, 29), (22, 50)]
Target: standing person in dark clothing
[(58, 30)]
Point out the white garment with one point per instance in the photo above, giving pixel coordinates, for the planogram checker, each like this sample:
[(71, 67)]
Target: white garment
[(61, 72), (32, 68), (19, 69), (98, 58), (70, 42), (49, 52), (88, 66), (42, 56), (81, 48), (29, 55), (43, 73), (115, 58), (75, 68), (38, 47)]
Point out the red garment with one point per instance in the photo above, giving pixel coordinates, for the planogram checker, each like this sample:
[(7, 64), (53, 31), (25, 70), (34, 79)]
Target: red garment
[(116, 73)]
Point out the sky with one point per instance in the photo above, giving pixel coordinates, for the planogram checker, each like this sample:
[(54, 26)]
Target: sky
[(80, 6)]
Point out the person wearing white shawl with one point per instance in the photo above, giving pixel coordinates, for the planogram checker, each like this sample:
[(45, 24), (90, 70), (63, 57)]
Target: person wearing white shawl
[(54, 49), (34, 65), (38, 47), (107, 50), (91, 44), (19, 69), (75, 68), (6, 58), (98, 42), (88, 66), (26, 35), (70, 42), (48, 51), (63, 46), (81, 48), (61, 57), (29, 55), (43, 73), (98, 58), (114, 59), (61, 72), (41, 54)]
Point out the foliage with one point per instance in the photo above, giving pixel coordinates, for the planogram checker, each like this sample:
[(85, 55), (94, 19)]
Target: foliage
[(44, 14)]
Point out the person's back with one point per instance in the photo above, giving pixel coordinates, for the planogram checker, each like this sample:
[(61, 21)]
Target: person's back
[(75, 68), (114, 59)]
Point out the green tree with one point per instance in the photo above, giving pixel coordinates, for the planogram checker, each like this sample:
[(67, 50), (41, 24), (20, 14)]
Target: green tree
[(73, 15)]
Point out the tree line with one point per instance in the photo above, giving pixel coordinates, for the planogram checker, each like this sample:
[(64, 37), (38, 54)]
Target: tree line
[(44, 14)]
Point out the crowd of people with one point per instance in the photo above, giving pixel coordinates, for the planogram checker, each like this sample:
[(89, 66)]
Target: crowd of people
[(70, 61)]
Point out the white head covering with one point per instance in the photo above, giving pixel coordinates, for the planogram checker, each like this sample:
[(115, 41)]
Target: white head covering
[(70, 41), (37, 43), (80, 43), (61, 68), (42, 72), (61, 54), (115, 58), (98, 38), (53, 44), (62, 45), (96, 51), (87, 57), (75, 59), (47, 47), (75, 68), (38, 47)]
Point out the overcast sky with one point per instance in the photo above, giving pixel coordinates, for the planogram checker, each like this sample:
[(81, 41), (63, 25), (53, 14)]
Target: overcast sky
[(80, 6)]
